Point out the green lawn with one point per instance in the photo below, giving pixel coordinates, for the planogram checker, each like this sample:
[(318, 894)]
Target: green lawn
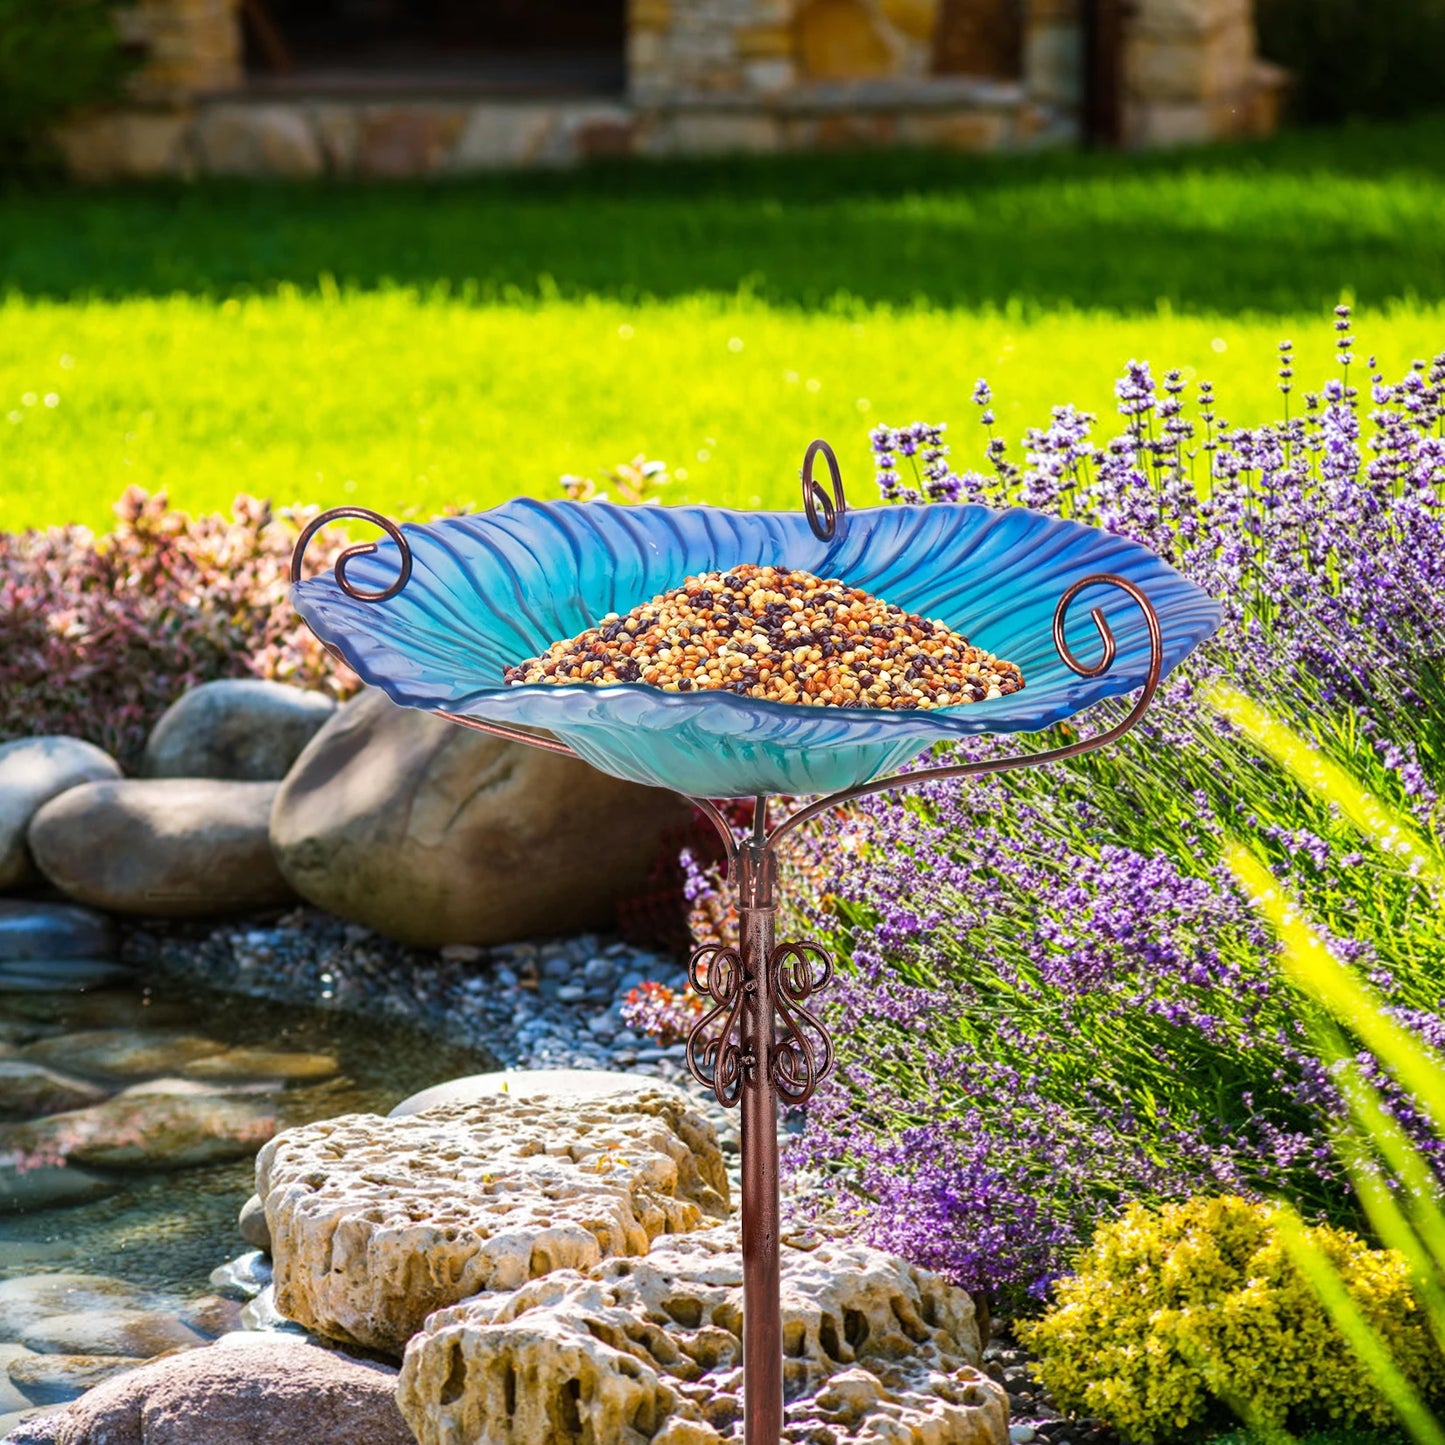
[(411, 346)]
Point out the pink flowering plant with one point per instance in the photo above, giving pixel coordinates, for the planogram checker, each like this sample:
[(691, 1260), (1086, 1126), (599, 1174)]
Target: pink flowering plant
[(98, 635), (1054, 999)]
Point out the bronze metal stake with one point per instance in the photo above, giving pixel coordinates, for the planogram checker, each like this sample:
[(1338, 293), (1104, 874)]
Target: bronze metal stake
[(762, 1318)]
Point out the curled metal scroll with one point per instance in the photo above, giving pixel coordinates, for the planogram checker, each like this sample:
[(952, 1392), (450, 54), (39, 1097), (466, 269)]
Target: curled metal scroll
[(715, 1056), (803, 1056), (834, 508), (361, 549), (1052, 755)]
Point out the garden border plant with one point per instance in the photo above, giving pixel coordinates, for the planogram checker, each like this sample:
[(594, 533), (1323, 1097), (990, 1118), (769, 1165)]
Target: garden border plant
[(1002, 1084)]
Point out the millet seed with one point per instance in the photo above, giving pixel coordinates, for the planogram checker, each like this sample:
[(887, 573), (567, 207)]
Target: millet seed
[(786, 636)]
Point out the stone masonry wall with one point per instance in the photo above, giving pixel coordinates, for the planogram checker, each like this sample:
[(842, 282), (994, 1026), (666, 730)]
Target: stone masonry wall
[(703, 76)]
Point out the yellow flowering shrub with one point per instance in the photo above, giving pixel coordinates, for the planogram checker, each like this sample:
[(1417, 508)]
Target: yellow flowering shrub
[(1176, 1314)]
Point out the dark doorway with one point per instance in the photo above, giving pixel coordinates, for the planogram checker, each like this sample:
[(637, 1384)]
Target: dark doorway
[(501, 47)]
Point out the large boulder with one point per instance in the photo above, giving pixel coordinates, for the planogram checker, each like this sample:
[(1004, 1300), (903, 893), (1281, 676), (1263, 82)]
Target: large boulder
[(32, 771), (374, 1223), (241, 729), (648, 1351), (174, 847), (435, 834), (274, 1389)]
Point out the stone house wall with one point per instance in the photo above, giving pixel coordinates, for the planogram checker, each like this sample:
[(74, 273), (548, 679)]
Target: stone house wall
[(703, 76)]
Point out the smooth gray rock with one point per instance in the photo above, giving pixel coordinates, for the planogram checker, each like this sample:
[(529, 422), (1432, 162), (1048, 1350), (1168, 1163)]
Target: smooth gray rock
[(282, 1391), (251, 1224), (49, 1186), (437, 835), (60, 975), (52, 1379), (133, 1333), (174, 847), (26, 1299), (149, 1131), (28, 1089), (241, 729), (32, 771), (38, 931)]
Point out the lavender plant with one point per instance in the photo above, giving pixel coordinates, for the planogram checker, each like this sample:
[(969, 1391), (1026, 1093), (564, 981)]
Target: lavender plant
[(1055, 1000)]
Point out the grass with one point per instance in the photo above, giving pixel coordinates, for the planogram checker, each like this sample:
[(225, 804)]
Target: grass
[(410, 346)]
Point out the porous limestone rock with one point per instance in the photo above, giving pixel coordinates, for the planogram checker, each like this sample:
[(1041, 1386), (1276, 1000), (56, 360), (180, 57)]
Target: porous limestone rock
[(240, 728), (375, 1223), (32, 771), (174, 847), (649, 1352), (434, 834)]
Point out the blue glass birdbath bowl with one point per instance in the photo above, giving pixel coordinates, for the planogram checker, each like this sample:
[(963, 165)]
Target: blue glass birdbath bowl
[(436, 613), (490, 590)]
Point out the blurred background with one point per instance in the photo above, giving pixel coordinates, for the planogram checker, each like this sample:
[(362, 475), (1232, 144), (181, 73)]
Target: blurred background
[(436, 254)]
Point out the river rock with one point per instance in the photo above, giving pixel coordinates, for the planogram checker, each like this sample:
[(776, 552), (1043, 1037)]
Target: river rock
[(147, 1130), (244, 1277), (11, 1398), (136, 1333), (287, 1065), (129, 1053), (50, 1379), (435, 834), (376, 1222), (251, 1224), (40, 931), (212, 1315), (60, 975), (32, 771), (28, 1298), (26, 1185), (175, 847), (650, 1350), (282, 1392), (29, 1089), (241, 729)]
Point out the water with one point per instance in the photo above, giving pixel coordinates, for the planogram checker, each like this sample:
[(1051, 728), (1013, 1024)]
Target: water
[(167, 1231)]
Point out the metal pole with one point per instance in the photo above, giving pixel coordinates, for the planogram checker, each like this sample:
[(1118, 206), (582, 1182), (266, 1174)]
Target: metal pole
[(762, 1317)]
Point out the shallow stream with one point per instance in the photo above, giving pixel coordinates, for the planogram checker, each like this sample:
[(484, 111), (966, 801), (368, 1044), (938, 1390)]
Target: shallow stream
[(165, 1230)]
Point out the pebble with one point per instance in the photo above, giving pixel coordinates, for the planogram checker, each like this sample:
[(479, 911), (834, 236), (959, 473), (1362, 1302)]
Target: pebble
[(1021, 1434)]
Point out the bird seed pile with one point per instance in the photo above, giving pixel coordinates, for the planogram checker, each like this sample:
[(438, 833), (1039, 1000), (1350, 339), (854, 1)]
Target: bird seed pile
[(786, 636)]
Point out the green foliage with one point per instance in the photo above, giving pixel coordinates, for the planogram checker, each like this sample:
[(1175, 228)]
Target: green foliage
[(1385, 1151), (1176, 1315), (1352, 59), (98, 636), (55, 56)]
